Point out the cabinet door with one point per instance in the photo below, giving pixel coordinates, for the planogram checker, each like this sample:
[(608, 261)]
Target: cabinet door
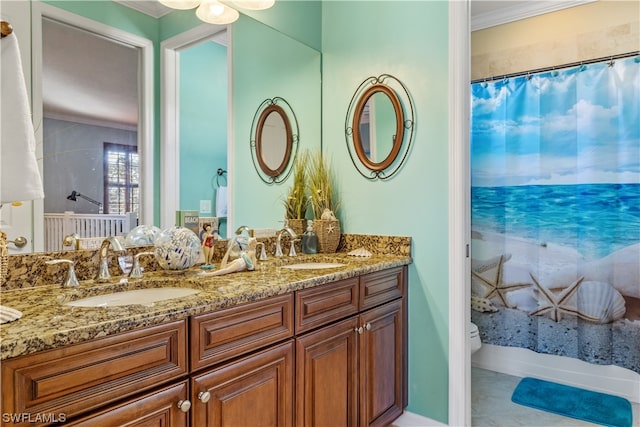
[(159, 409), (327, 376), (253, 391), (382, 359)]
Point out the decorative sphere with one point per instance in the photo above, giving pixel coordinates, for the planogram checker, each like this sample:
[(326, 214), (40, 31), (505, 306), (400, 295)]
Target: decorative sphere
[(177, 248), (142, 235)]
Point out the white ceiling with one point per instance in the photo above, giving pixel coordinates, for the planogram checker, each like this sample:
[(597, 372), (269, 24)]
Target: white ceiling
[(88, 78), (94, 81)]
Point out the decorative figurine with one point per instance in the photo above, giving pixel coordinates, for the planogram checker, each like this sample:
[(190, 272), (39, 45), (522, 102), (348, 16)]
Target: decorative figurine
[(208, 237)]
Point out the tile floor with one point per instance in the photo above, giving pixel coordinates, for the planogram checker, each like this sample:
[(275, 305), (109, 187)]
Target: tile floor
[(491, 405)]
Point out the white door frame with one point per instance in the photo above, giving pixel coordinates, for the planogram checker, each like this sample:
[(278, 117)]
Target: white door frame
[(459, 214)]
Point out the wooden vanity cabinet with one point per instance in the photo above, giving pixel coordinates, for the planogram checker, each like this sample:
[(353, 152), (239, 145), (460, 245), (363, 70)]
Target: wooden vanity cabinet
[(352, 372), (332, 355), (75, 380), (233, 382)]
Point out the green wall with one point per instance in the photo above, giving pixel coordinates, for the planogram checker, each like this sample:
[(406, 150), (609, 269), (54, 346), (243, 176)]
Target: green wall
[(409, 41), (358, 39), (203, 122)]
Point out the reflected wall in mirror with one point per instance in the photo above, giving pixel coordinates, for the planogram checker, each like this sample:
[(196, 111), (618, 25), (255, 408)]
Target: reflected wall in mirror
[(195, 99), (379, 126), (274, 140), (268, 63)]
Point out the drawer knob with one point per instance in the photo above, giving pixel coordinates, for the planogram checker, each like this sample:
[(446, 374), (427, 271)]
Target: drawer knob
[(204, 396), (359, 330), (368, 326), (184, 405)]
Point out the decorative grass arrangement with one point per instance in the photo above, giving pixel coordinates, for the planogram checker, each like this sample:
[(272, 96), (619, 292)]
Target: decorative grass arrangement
[(321, 191), (296, 201), (324, 203)]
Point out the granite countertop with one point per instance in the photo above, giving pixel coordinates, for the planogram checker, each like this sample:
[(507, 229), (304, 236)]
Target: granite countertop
[(47, 322)]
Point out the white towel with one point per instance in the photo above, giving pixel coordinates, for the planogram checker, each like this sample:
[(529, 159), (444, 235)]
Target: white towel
[(19, 175), (221, 201)]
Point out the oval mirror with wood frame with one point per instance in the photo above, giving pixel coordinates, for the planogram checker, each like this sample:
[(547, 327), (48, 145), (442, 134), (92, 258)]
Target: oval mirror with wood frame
[(379, 126), (274, 140)]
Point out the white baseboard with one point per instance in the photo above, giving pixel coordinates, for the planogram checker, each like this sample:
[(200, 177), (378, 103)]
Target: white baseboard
[(409, 419), (566, 370)]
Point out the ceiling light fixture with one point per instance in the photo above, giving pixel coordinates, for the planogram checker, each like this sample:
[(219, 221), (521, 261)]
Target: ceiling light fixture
[(214, 11)]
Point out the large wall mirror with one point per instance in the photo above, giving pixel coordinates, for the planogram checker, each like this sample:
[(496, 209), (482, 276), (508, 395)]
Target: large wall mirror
[(261, 62), (274, 140), (93, 114), (379, 126)]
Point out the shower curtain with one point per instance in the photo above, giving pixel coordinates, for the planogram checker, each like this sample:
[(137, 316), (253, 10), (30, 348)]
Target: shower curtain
[(555, 187)]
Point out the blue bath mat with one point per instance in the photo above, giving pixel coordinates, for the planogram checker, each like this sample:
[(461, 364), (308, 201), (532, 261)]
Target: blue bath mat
[(598, 408)]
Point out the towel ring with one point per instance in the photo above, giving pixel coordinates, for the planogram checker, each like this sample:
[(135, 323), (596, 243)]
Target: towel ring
[(221, 172)]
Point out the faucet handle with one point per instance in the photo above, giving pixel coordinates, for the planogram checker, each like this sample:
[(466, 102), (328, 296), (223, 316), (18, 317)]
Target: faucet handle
[(71, 280), (278, 249), (292, 248), (263, 252), (136, 270)]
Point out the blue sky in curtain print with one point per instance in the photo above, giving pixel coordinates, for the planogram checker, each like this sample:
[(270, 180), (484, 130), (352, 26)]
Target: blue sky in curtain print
[(571, 126)]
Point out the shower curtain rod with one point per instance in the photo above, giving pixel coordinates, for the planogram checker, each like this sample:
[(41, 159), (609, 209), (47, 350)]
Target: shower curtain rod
[(557, 67)]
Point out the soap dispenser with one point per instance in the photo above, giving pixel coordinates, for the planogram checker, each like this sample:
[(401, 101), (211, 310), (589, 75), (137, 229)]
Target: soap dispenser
[(309, 240)]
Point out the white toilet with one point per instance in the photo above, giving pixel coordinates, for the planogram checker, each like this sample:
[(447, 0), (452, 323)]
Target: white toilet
[(474, 338)]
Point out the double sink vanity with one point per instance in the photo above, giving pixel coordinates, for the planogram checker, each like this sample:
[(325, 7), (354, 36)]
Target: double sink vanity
[(299, 341)]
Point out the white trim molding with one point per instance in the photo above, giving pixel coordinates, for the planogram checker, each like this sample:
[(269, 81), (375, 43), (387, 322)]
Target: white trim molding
[(409, 419), (518, 10), (459, 215)]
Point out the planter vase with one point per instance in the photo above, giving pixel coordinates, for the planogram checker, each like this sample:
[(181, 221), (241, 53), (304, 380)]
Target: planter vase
[(328, 232)]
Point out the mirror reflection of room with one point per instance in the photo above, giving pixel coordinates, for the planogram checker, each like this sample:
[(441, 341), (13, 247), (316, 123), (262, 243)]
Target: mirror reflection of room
[(91, 164)]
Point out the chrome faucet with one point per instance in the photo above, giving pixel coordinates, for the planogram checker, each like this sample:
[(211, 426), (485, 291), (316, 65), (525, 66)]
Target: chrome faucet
[(71, 280), (291, 234), (103, 269), (71, 240), (242, 229)]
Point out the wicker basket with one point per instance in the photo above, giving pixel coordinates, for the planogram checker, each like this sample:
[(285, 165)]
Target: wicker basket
[(4, 258), (328, 231)]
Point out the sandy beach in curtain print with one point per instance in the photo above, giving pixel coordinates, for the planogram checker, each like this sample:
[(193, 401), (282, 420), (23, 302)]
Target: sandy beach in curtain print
[(557, 235)]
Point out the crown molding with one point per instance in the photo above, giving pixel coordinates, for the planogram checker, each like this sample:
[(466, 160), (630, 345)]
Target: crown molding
[(152, 8), (521, 10)]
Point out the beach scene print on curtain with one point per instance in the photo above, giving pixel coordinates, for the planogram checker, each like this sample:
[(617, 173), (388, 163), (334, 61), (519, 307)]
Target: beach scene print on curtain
[(555, 171)]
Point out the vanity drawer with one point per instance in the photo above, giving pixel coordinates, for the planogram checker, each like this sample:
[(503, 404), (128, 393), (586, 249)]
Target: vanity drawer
[(324, 304), (224, 334), (380, 287), (75, 379)]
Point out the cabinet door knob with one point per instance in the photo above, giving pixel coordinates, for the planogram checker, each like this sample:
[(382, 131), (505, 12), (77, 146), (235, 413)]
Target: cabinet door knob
[(359, 330), (204, 396), (368, 326), (184, 405)]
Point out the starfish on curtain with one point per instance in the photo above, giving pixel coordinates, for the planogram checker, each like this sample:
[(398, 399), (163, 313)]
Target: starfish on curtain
[(557, 305), (496, 285)]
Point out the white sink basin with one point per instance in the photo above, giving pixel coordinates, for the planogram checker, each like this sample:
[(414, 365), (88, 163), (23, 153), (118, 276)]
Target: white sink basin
[(313, 265), (138, 296)]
